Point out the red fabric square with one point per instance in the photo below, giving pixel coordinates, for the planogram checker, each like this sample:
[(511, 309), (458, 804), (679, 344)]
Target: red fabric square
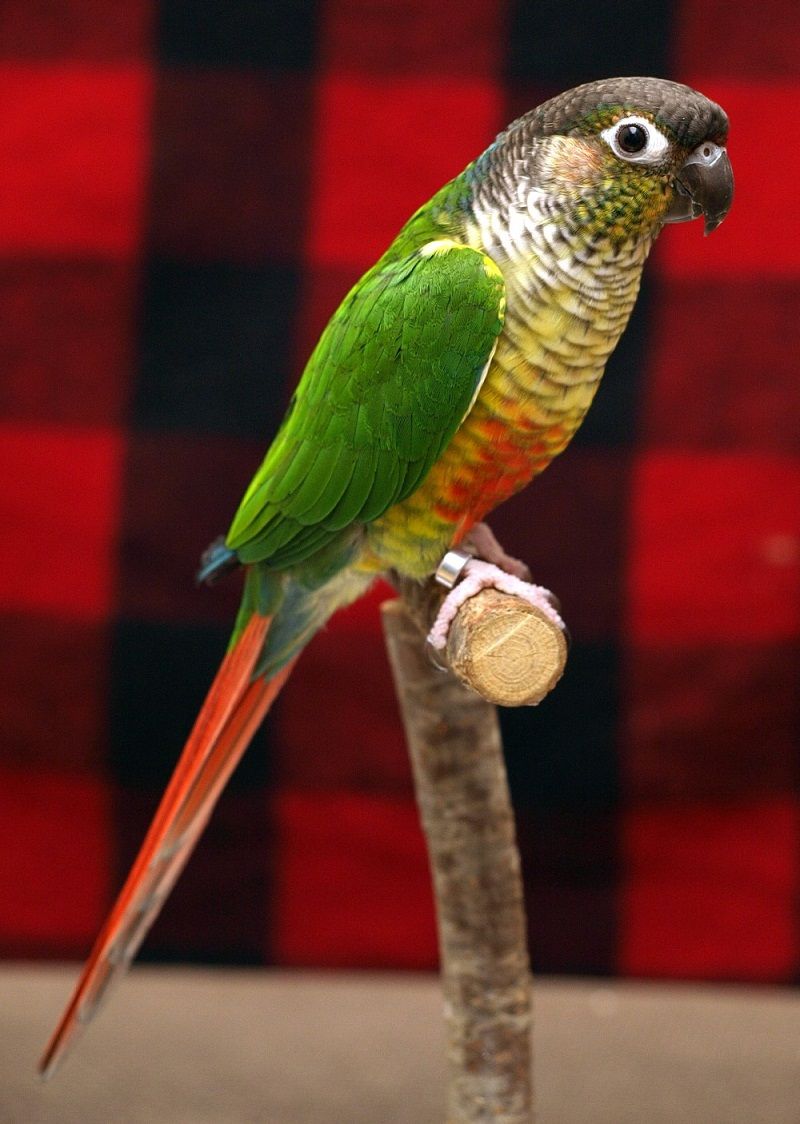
[(711, 891), (55, 836), (724, 365), (569, 526), (710, 721), (346, 673), (74, 144), (414, 37), (66, 336), (75, 29), (230, 165), (758, 237), (352, 884), (53, 691), (714, 37), (58, 518), (181, 493), (714, 551), (384, 146)]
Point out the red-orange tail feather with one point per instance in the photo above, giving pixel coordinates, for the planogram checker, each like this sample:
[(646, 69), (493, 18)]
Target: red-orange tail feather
[(231, 714)]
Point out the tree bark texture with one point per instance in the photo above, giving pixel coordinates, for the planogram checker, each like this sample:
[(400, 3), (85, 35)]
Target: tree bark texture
[(462, 792)]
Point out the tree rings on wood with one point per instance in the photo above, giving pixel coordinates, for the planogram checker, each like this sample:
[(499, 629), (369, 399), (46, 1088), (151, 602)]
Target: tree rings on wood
[(506, 649)]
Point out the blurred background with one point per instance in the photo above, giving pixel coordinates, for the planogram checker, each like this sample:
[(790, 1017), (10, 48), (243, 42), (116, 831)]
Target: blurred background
[(186, 192)]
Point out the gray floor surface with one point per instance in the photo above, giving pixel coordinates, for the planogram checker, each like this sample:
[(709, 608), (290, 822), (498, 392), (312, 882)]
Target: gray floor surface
[(193, 1046)]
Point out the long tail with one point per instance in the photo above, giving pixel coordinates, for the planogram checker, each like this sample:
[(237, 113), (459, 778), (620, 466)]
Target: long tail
[(231, 714)]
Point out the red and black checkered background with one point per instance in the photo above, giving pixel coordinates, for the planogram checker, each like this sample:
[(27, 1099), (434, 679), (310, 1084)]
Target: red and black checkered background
[(186, 191)]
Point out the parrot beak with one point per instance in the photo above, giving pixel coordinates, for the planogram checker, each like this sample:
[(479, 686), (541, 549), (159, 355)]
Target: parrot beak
[(703, 186)]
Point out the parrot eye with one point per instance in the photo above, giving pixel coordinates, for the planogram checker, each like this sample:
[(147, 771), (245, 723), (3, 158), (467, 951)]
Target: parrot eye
[(631, 138), (636, 140)]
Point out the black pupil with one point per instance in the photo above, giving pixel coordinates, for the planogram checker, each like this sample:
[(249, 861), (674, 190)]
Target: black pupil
[(632, 138)]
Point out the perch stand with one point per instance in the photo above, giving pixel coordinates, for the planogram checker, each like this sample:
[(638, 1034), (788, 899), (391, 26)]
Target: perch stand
[(501, 649)]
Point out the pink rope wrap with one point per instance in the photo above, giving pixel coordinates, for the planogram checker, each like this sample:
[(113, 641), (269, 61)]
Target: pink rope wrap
[(480, 575)]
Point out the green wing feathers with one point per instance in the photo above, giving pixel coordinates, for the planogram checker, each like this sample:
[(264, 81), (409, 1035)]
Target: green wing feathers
[(387, 386)]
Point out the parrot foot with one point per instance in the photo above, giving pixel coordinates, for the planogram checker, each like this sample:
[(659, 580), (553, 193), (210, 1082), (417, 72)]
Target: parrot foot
[(482, 542), (475, 575)]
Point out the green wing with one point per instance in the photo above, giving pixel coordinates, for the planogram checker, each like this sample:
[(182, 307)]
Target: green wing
[(387, 386)]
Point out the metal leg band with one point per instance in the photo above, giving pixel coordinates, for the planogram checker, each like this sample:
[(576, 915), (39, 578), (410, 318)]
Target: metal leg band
[(451, 567)]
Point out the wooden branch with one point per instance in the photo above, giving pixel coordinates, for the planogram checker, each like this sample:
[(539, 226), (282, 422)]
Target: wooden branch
[(501, 646), (462, 793)]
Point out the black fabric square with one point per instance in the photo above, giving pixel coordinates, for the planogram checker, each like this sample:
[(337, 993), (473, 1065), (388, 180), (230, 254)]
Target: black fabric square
[(218, 911), (562, 754), (570, 864), (243, 33), (160, 676), (566, 42), (66, 337), (215, 348)]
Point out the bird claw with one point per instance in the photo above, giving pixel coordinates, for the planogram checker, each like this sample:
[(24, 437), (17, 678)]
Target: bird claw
[(481, 542), (478, 575)]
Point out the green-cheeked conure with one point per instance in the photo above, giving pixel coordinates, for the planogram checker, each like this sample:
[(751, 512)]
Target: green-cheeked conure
[(452, 373)]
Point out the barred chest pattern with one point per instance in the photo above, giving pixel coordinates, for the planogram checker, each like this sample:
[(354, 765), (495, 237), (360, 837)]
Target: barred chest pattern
[(570, 291)]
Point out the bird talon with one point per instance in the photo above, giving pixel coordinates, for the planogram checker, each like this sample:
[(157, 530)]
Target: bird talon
[(482, 543), (478, 575), (434, 658)]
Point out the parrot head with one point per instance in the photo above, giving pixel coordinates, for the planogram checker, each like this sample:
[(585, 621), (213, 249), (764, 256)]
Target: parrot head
[(620, 157)]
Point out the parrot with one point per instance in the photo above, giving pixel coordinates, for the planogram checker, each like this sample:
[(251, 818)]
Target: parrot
[(451, 375)]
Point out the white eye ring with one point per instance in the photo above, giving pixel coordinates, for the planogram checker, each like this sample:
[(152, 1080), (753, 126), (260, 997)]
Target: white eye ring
[(654, 149)]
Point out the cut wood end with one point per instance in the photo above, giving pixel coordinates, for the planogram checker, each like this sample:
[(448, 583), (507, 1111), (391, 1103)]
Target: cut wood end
[(506, 649)]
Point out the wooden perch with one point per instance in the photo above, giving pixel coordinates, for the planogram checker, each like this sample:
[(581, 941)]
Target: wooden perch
[(508, 651), (460, 780), (504, 648)]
